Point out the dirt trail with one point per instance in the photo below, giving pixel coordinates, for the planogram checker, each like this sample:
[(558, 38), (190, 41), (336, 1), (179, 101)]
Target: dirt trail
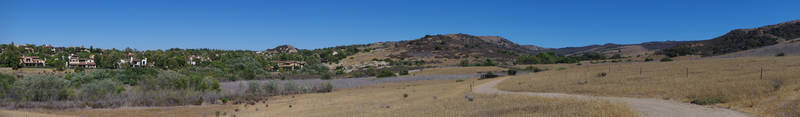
[(646, 107)]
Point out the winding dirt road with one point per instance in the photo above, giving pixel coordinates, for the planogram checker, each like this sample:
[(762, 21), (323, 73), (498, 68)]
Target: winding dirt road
[(646, 107)]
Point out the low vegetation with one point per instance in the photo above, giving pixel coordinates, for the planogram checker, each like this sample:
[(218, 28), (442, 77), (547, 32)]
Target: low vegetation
[(433, 98), (666, 59), (780, 54), (131, 87), (738, 83), (708, 100), (385, 73)]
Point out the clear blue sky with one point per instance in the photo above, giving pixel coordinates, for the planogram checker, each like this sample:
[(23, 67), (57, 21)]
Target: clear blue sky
[(262, 24)]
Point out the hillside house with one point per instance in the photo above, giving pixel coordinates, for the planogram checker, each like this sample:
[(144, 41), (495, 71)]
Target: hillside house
[(133, 62), (76, 62), (32, 61), (194, 59), (289, 65)]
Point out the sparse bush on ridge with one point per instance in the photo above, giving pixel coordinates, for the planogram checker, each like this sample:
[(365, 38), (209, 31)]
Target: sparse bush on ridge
[(534, 69), (780, 54), (403, 72), (512, 72), (464, 63), (708, 100), (666, 59), (648, 59), (385, 73)]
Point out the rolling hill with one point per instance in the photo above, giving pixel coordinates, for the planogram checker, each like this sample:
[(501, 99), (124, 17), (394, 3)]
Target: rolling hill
[(740, 40)]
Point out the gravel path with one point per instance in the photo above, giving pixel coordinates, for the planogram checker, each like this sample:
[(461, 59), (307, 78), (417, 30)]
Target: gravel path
[(646, 107)]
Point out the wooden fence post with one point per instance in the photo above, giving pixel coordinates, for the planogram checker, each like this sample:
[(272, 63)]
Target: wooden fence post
[(640, 70), (762, 73)]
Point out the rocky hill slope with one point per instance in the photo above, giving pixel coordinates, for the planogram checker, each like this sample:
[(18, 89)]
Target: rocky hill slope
[(740, 40)]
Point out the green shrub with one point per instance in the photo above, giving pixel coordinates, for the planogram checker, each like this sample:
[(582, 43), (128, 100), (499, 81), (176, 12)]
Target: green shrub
[(488, 75), (666, 59), (214, 85), (512, 72), (464, 63), (780, 54), (709, 100), (85, 77), (326, 76), (459, 80), (43, 88), (100, 88), (488, 62), (534, 69), (403, 72), (6, 84), (371, 71), (603, 74), (648, 59), (132, 76), (385, 73)]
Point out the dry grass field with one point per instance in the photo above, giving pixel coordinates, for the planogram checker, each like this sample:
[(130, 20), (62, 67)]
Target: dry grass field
[(424, 98), (428, 98), (738, 82)]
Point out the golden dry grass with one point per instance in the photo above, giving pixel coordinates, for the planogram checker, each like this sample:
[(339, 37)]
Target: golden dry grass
[(425, 98), (737, 80), (177, 111), (429, 98), (457, 70)]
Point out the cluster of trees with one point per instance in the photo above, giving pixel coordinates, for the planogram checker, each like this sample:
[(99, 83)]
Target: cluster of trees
[(553, 58), (94, 85), (545, 58), (230, 64)]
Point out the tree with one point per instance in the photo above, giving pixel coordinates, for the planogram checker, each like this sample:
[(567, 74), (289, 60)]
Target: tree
[(464, 63), (11, 56), (245, 67)]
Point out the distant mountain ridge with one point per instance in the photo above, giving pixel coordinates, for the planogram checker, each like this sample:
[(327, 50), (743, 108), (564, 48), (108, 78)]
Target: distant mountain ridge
[(459, 46), (611, 49), (444, 47), (740, 40)]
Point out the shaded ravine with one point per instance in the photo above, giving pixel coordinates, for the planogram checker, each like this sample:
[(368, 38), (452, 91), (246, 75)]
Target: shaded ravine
[(646, 107)]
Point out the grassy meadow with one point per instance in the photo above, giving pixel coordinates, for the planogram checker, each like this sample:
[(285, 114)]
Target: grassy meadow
[(736, 83)]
